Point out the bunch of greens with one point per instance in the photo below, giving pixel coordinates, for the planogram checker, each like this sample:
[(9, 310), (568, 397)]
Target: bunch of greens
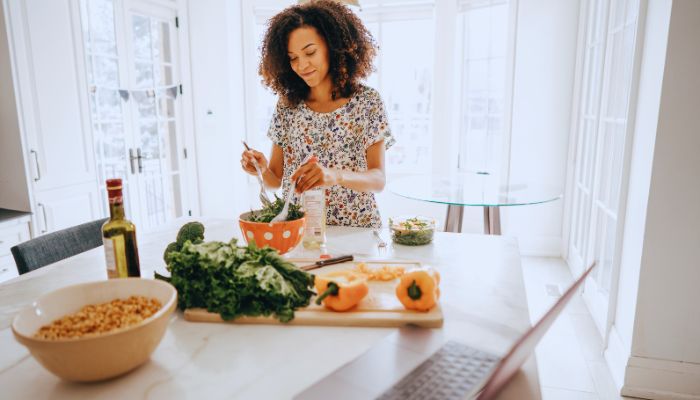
[(234, 281), (267, 213)]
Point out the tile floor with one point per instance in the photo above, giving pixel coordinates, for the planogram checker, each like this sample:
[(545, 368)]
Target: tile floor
[(570, 356)]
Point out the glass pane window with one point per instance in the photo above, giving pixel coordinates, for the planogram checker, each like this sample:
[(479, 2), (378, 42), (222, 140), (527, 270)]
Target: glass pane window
[(130, 56), (106, 70), (265, 99), (589, 122), (155, 105), (144, 75), (404, 76), (98, 26), (106, 105), (483, 27), (602, 139), (109, 103), (613, 136), (142, 40)]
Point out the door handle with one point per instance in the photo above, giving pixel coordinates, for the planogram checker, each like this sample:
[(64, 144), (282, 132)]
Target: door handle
[(36, 162), (139, 159), (132, 157), (46, 222)]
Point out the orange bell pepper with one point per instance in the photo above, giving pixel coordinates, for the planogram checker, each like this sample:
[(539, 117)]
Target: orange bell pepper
[(340, 290), (418, 289)]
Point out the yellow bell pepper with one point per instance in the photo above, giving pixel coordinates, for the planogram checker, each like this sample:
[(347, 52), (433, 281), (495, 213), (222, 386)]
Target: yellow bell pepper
[(418, 289), (340, 290)]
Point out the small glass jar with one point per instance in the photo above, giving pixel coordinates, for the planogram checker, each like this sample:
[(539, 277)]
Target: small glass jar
[(412, 231)]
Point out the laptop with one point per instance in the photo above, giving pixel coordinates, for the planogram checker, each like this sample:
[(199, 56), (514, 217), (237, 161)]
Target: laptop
[(416, 363)]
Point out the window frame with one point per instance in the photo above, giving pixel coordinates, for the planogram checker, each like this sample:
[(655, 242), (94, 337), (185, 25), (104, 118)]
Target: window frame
[(509, 76), (602, 306)]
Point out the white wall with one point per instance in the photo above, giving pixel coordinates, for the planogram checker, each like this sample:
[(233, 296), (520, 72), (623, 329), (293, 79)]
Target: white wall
[(654, 350), (670, 271), (14, 193), (545, 59), (648, 101), (217, 76)]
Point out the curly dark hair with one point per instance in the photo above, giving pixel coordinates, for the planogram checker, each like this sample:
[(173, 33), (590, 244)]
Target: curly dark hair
[(351, 49)]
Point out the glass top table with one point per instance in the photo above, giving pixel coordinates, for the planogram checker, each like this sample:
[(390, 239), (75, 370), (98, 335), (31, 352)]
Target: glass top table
[(459, 190)]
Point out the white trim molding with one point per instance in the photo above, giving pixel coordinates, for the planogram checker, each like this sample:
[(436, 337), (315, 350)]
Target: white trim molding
[(652, 378), (616, 356)]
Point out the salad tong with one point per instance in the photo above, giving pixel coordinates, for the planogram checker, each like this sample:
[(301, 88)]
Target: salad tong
[(263, 194)]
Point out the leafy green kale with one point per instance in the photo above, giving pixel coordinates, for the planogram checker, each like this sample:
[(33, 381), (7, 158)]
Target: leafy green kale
[(267, 213), (235, 281)]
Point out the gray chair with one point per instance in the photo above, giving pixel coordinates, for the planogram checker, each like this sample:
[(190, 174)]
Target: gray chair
[(44, 250)]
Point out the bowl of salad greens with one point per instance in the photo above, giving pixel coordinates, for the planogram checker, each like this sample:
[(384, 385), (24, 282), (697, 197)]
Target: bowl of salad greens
[(256, 226), (412, 231)]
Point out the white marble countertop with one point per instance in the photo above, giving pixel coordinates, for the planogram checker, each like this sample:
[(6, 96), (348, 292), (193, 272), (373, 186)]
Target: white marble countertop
[(483, 300)]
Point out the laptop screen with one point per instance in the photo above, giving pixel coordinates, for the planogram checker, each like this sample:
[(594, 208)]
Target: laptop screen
[(521, 350)]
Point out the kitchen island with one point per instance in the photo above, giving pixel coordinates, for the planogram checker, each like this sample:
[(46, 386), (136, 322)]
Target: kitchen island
[(483, 301)]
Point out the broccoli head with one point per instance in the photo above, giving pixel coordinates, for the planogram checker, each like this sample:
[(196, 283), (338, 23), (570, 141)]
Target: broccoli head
[(171, 247), (192, 231)]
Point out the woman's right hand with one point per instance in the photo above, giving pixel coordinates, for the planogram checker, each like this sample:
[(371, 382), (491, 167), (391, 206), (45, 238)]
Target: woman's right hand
[(247, 158)]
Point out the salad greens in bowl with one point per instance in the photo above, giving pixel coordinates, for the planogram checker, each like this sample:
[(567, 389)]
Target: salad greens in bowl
[(267, 213), (412, 231), (256, 226)]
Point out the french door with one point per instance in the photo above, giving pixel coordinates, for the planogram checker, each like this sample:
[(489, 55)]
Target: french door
[(602, 149), (136, 113)]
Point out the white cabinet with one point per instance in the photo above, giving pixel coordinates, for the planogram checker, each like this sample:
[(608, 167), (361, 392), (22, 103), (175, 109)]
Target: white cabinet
[(48, 84), (65, 207), (12, 232), (50, 72)]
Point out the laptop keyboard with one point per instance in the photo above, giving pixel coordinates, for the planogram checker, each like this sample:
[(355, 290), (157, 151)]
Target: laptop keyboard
[(450, 373)]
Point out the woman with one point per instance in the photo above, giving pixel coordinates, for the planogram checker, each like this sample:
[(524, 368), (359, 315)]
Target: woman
[(314, 56)]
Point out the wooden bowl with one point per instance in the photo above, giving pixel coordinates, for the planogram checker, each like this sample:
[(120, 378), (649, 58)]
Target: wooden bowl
[(282, 236), (102, 356)]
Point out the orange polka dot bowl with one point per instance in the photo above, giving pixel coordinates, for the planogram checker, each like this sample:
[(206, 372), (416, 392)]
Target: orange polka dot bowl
[(283, 236)]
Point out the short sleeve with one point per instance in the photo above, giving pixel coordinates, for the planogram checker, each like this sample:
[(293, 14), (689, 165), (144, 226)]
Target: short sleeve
[(277, 131), (378, 122)]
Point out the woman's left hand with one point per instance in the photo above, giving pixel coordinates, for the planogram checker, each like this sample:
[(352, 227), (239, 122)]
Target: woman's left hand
[(312, 174)]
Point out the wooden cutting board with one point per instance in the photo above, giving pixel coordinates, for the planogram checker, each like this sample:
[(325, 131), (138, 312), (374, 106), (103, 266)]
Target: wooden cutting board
[(380, 308)]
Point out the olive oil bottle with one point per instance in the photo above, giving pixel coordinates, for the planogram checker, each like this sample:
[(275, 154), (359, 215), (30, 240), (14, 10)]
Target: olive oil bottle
[(119, 236)]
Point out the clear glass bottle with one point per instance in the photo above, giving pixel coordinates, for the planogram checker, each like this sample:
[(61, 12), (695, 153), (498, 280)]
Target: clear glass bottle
[(119, 237), (314, 202)]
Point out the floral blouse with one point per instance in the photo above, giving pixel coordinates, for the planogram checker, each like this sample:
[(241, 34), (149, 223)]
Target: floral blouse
[(339, 139)]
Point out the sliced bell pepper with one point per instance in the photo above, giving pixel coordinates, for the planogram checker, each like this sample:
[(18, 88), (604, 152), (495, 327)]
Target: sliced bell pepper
[(340, 290)]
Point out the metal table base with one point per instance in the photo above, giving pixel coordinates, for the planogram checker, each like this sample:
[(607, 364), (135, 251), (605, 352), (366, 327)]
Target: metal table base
[(492, 219)]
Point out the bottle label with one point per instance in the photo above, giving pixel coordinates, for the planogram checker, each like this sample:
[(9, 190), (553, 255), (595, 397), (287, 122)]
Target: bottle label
[(111, 258), (313, 209), (115, 255)]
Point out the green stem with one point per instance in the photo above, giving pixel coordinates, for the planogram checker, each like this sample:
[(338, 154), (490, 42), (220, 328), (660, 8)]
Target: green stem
[(332, 290), (414, 291), (161, 277)]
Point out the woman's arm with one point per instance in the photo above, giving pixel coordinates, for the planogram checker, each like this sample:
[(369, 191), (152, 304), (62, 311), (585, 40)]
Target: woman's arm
[(272, 171), (313, 175)]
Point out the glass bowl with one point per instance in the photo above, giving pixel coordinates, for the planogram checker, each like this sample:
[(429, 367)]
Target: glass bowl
[(412, 231)]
